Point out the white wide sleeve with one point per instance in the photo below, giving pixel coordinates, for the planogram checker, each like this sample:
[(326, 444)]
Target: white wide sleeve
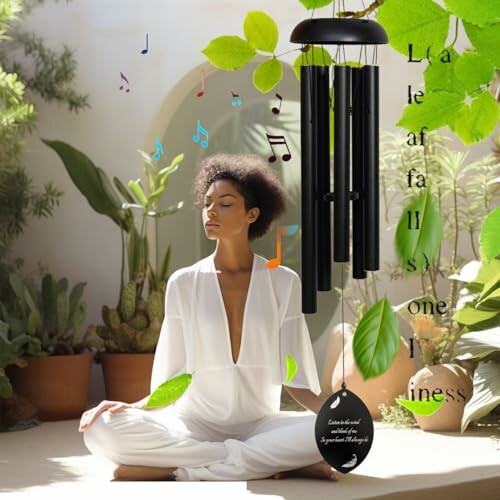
[(295, 340), (170, 354)]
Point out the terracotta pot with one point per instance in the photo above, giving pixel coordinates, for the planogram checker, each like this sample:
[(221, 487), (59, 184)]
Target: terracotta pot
[(382, 389), (454, 383), (127, 377), (57, 385)]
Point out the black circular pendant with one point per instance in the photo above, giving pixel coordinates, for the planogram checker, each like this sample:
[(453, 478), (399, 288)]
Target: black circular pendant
[(344, 431)]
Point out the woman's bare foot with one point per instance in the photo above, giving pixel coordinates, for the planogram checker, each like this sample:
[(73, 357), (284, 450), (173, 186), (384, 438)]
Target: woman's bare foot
[(320, 470), (142, 473)]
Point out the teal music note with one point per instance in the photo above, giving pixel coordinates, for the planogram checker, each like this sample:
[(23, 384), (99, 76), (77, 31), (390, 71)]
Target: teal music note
[(196, 138), (159, 150)]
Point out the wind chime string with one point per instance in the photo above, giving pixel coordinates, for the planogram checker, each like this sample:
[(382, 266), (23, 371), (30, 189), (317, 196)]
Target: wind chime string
[(343, 338)]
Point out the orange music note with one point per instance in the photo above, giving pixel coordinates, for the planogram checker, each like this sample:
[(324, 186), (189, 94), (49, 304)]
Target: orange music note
[(271, 264), (124, 78), (278, 139), (274, 109), (202, 91)]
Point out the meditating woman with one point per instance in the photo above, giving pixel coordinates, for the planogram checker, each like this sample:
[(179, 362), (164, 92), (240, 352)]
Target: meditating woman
[(229, 321)]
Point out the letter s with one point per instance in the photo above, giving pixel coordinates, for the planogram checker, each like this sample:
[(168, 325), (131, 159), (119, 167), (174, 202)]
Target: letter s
[(449, 394), (461, 394)]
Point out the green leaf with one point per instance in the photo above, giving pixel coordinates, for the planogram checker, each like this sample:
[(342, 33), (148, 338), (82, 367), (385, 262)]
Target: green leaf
[(422, 242), (376, 340), (423, 23), (485, 40), (423, 408), (169, 391), (229, 52), (489, 237), (441, 76), (436, 110), (123, 190), (477, 345), (476, 122), (165, 263), (487, 12), (267, 75), (485, 395), (138, 192), (473, 70), (315, 56), (261, 31), (469, 315), (86, 178), (291, 368), (315, 4)]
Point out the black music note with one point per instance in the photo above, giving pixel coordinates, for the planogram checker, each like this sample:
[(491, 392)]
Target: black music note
[(278, 139), (144, 51), (123, 77), (276, 110)]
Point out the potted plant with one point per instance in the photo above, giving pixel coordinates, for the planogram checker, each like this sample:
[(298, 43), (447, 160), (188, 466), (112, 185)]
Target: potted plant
[(131, 329), (45, 330)]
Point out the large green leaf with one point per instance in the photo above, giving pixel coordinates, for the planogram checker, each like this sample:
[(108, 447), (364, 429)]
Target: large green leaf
[(473, 70), (485, 40), (477, 345), (229, 52), (489, 237), (423, 408), (436, 110), (469, 315), (423, 23), (376, 340), (315, 4), (486, 12), (315, 56), (441, 76), (419, 244), (87, 179), (486, 393), (267, 75), (169, 391), (261, 31), (291, 367), (475, 122)]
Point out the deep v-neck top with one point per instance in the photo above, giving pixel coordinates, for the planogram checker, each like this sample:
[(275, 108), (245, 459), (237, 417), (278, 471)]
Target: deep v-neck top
[(195, 339), (248, 298)]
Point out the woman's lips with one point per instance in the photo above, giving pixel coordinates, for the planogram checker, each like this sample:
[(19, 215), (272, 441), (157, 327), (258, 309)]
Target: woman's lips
[(211, 224)]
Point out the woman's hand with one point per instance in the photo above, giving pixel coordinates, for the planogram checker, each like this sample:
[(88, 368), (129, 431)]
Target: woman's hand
[(89, 416)]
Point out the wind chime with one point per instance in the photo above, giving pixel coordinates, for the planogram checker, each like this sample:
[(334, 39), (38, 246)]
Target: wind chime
[(355, 111), (344, 427)]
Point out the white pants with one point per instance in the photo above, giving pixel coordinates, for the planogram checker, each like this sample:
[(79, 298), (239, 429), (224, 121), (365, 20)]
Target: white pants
[(280, 442)]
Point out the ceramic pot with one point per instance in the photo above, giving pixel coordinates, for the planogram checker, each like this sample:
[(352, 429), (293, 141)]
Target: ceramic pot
[(57, 385), (454, 383), (127, 377), (375, 391)]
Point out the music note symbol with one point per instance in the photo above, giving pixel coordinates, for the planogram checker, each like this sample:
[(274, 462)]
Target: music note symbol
[(236, 99), (202, 91), (278, 139), (196, 138), (144, 51), (159, 150), (272, 263), (276, 110), (123, 77)]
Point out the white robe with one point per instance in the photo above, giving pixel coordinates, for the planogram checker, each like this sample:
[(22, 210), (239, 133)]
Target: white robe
[(228, 424)]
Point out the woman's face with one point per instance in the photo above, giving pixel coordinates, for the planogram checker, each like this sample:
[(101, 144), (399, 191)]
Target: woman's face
[(224, 214)]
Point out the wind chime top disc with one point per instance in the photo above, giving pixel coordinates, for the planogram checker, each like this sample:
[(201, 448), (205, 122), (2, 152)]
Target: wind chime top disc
[(344, 431)]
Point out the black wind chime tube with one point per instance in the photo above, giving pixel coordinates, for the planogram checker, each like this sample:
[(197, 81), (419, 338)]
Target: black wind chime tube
[(370, 162), (308, 188), (341, 167), (358, 268), (321, 134)]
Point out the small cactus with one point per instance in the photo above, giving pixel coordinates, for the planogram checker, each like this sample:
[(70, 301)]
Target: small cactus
[(127, 301), (111, 317), (139, 321), (155, 306)]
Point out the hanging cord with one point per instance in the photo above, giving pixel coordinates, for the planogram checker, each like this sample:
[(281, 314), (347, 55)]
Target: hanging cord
[(343, 337)]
